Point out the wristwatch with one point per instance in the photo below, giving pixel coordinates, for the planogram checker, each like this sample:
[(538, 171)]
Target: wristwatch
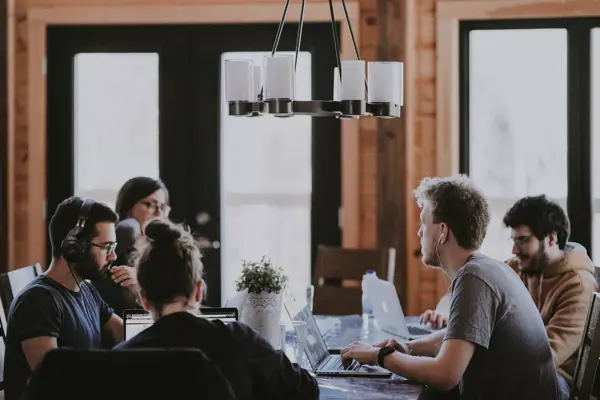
[(383, 353)]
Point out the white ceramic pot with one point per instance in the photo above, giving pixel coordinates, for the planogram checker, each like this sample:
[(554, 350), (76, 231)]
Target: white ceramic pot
[(262, 312)]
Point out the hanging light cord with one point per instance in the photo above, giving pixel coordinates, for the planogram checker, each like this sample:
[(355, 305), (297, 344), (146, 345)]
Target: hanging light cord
[(299, 35)]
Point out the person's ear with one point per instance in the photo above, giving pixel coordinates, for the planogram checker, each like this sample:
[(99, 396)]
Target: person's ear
[(443, 233), (145, 303), (199, 291)]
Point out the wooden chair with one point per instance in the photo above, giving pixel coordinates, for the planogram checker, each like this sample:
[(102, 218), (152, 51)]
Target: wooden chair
[(12, 282), (589, 353), (338, 277)]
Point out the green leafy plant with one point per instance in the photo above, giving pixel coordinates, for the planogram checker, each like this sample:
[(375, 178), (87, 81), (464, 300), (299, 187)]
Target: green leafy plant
[(261, 276)]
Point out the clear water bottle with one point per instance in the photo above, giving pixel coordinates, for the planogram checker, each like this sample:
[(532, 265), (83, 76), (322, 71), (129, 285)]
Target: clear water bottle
[(367, 308)]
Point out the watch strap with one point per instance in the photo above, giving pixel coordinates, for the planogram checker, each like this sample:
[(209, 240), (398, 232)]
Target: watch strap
[(383, 353)]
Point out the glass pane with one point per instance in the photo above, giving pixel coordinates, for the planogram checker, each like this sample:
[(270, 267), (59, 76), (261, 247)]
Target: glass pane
[(266, 186), (595, 109), (517, 120), (116, 121)]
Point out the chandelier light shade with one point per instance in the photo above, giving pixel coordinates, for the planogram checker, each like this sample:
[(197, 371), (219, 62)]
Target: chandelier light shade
[(359, 89), (239, 83)]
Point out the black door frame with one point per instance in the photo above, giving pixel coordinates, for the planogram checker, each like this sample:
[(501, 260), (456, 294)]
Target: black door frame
[(579, 162), (326, 143)]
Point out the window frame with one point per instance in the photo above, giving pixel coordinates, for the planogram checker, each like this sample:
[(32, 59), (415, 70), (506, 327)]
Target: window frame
[(580, 202)]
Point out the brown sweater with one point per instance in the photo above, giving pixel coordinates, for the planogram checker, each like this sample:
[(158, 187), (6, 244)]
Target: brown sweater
[(562, 294)]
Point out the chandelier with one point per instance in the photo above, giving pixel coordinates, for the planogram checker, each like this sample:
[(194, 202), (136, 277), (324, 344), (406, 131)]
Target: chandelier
[(269, 88)]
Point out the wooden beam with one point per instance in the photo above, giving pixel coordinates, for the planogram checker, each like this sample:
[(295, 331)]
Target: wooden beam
[(4, 28), (391, 147)]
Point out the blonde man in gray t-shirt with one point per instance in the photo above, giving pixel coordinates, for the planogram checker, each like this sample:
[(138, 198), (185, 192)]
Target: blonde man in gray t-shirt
[(495, 346)]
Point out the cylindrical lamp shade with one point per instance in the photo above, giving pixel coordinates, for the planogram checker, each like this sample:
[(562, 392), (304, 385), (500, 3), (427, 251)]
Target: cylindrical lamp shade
[(258, 82), (353, 80), (336, 84), (280, 77), (238, 80), (386, 82)]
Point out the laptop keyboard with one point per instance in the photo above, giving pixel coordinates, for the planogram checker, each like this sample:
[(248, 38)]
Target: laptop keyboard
[(335, 364), (416, 331)]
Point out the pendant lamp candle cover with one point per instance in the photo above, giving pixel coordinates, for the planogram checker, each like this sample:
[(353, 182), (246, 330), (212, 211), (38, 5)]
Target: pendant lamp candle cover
[(360, 88)]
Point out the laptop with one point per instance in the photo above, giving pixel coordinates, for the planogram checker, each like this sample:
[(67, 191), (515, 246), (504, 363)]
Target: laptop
[(135, 321), (321, 361), (388, 311)]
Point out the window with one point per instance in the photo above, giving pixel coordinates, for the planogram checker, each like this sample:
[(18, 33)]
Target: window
[(518, 121), (525, 118), (115, 116), (266, 187)]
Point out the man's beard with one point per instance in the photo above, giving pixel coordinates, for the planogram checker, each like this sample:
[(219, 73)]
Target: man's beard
[(89, 269), (431, 259), (537, 261)]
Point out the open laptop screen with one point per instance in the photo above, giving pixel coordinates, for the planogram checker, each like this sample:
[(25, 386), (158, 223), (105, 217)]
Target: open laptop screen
[(136, 321), (316, 348)]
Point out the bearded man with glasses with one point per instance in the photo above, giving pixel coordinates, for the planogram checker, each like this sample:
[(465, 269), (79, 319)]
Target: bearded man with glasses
[(558, 274)]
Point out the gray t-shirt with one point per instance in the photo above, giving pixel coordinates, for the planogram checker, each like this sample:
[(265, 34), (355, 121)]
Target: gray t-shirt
[(492, 309)]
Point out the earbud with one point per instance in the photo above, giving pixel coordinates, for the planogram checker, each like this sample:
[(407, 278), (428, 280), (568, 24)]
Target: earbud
[(440, 239)]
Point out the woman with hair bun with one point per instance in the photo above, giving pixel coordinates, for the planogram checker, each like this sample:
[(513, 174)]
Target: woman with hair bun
[(169, 273)]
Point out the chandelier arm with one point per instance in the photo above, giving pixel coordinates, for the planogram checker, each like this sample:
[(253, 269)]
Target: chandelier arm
[(280, 28), (335, 38), (299, 33)]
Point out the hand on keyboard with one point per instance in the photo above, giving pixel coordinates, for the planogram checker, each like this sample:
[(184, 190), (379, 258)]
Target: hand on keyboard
[(435, 319), (362, 353)]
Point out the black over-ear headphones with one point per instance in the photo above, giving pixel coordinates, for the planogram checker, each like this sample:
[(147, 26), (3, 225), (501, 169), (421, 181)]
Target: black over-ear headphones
[(72, 248)]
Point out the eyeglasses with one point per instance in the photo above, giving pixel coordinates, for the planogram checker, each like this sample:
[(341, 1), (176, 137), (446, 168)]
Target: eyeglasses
[(109, 247), (521, 240), (154, 206)]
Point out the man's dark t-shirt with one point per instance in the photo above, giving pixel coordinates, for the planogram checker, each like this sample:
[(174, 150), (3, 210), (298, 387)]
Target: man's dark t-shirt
[(492, 309), (46, 308), (252, 366)]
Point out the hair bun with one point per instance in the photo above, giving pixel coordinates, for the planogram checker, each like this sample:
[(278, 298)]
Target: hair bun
[(162, 231)]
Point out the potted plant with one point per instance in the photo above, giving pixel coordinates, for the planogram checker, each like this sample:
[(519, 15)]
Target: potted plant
[(265, 283)]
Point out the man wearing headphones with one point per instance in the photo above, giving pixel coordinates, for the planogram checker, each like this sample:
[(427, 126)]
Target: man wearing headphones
[(59, 308)]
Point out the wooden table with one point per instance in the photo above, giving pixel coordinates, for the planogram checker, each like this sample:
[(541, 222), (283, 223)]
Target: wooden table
[(369, 389)]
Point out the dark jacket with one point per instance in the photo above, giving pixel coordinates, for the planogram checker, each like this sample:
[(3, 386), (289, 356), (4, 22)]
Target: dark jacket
[(253, 367)]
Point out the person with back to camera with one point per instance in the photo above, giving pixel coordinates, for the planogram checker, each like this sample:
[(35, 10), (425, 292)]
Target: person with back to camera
[(495, 345), (139, 201), (169, 271)]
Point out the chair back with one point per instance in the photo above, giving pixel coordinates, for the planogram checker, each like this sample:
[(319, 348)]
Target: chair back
[(2, 348), (338, 277), (589, 353), (147, 374), (12, 282)]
